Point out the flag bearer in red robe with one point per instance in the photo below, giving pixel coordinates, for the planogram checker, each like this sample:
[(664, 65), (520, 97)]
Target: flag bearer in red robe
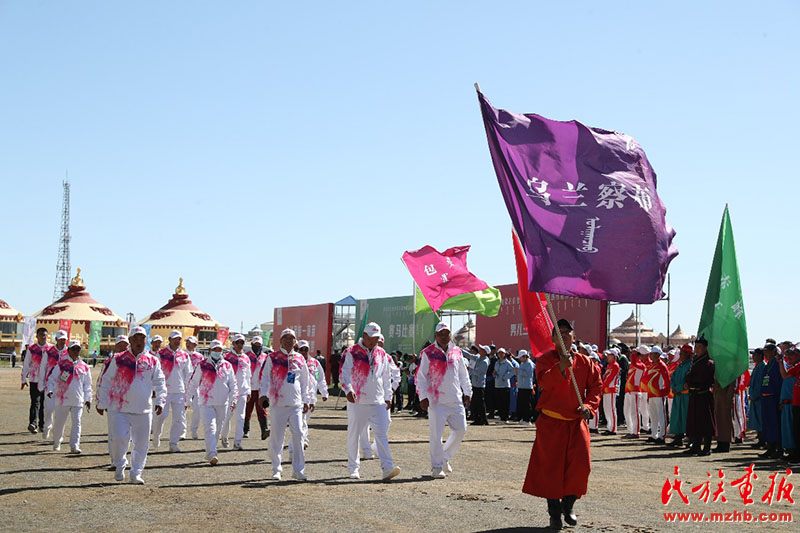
[(560, 461)]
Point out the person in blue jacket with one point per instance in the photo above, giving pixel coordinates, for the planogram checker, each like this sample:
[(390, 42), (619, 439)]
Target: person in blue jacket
[(756, 378), (524, 388)]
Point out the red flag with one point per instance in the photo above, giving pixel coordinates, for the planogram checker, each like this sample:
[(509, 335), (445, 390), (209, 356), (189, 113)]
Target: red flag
[(65, 325), (533, 305)]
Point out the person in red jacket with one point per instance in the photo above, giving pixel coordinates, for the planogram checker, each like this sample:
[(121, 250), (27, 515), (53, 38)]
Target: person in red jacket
[(739, 407), (560, 460), (610, 391), (657, 380)]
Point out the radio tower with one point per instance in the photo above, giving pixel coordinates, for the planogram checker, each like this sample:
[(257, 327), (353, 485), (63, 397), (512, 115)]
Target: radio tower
[(63, 268)]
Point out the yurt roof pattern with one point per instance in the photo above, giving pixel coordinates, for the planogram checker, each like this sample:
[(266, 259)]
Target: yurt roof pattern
[(180, 312), (7, 312), (77, 305)]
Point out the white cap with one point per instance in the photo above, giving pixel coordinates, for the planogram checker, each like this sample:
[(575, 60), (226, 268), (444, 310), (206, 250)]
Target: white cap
[(288, 331), (302, 344), (380, 338), (501, 350), (594, 347), (643, 349), (523, 353), (257, 340), (656, 349), (176, 334), (156, 338), (61, 334), (139, 330), (238, 338), (442, 325), (74, 343), (192, 339), (484, 348), (215, 344), (372, 330), (122, 338), (615, 351)]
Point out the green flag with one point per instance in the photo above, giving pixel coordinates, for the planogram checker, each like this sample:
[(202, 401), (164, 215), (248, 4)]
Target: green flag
[(722, 321), (363, 325), (485, 302), (95, 332)]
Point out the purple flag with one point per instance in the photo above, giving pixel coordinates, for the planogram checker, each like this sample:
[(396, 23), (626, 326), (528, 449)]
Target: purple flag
[(584, 204)]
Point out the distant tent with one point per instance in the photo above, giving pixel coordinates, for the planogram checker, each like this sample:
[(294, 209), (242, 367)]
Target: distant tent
[(349, 300)]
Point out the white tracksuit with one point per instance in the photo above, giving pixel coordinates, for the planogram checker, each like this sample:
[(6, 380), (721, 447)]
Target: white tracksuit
[(317, 384), (368, 376), (177, 370), (212, 388), (633, 399), (368, 448), (127, 391), (442, 379), (241, 366), (108, 415), (46, 365), (194, 426), (70, 383), (285, 381)]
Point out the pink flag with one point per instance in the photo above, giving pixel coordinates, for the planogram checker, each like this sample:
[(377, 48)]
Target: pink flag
[(442, 275)]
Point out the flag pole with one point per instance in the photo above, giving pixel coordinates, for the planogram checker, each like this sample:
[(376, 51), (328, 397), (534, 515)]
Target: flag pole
[(562, 346)]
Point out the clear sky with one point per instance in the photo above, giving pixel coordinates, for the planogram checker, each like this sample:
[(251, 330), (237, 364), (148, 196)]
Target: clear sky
[(279, 154)]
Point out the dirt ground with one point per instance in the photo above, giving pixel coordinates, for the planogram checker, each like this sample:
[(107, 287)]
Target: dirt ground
[(45, 490)]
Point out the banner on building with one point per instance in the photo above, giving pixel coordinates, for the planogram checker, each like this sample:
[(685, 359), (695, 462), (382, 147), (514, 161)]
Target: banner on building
[(65, 325), (95, 334), (401, 329)]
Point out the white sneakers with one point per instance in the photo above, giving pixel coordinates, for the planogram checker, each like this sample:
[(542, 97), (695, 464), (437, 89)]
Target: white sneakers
[(447, 468), (57, 447), (137, 479), (355, 475), (174, 448), (119, 475), (75, 451), (225, 442), (299, 476), (156, 442), (195, 437), (438, 473), (389, 473), (238, 447), (276, 476)]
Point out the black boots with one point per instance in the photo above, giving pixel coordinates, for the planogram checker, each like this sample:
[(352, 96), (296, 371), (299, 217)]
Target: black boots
[(566, 506), (246, 428), (554, 510), (722, 447), (677, 442), (264, 431), (706, 447)]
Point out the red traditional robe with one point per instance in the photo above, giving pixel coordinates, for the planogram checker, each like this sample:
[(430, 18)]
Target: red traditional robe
[(560, 460)]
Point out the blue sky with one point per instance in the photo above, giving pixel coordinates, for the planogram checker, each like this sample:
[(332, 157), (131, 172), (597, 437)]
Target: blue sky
[(288, 154)]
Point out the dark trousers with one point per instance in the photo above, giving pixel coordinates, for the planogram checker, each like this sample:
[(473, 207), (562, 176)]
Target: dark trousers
[(412, 395), (397, 400), (478, 406), (524, 404), (796, 428), (37, 406), (491, 403), (770, 420), (502, 395), (253, 403)]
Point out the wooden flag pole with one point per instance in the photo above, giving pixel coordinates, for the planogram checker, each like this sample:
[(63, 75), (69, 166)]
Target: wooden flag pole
[(563, 347)]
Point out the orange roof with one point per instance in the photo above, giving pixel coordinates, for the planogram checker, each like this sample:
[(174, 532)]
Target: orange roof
[(179, 312)]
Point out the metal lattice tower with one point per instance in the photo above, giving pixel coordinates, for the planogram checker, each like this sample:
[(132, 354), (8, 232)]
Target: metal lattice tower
[(62, 267)]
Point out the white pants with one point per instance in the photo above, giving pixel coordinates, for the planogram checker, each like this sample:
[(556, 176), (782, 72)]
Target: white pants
[(594, 421), (439, 415), (196, 416), (644, 411), (610, 409), (110, 436), (60, 420), (176, 405), (656, 408), (359, 417), (281, 417), (49, 407), (213, 416), (303, 429), (366, 443), (631, 407), (127, 427), (739, 416), (237, 414)]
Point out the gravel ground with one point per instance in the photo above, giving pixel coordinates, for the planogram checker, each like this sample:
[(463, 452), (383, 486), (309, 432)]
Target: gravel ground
[(42, 489)]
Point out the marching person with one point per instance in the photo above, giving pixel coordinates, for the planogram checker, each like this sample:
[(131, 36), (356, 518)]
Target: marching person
[(657, 380), (284, 386), (212, 388), (120, 346), (444, 389), (70, 387), (560, 460), (633, 394), (177, 370), (241, 366), (195, 358), (740, 407), (770, 400), (155, 344), (316, 384), (47, 364), (131, 387), (610, 391), (680, 401), (366, 379), (700, 422), (31, 370), (256, 355)]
